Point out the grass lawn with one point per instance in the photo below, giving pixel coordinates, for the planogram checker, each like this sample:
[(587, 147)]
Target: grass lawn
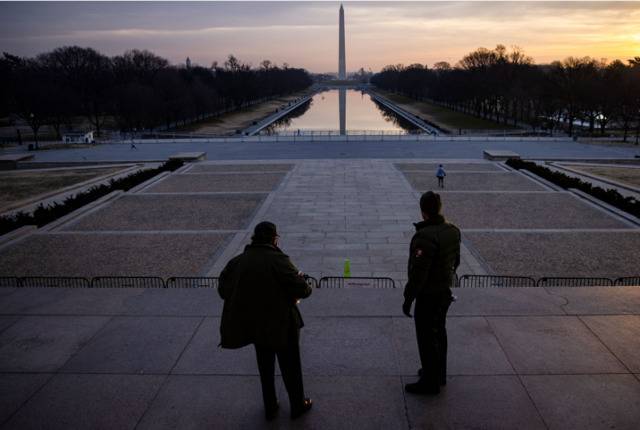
[(228, 123), (445, 118), (17, 187)]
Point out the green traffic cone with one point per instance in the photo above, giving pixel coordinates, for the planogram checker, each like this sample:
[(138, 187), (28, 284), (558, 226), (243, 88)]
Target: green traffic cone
[(347, 268)]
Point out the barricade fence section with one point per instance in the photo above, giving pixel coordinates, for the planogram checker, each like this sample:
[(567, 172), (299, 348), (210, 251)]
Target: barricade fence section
[(192, 282), (9, 282), (574, 282), (490, 281), (361, 282), (627, 281), (127, 282), (53, 282), (311, 281), (464, 281)]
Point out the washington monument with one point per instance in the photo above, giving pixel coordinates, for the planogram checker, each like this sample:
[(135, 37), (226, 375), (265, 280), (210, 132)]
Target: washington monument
[(342, 73)]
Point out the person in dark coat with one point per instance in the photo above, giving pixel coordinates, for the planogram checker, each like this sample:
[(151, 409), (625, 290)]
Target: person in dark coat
[(260, 289), (433, 260)]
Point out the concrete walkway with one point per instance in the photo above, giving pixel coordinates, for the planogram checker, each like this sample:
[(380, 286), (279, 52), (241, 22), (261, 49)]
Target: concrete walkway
[(135, 358), (389, 148)]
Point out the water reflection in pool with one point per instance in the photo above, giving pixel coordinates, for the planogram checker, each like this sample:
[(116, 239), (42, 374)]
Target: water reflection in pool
[(340, 111)]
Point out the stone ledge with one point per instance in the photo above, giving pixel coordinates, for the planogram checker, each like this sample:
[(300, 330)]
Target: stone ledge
[(499, 155), (189, 156)]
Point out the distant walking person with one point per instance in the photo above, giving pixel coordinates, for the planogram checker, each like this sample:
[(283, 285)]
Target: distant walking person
[(440, 174), (260, 289), (433, 259)]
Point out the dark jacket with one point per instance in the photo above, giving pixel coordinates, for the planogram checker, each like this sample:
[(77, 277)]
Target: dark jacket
[(260, 288), (433, 259)]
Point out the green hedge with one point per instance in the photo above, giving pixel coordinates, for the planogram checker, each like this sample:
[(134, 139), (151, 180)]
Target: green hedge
[(46, 214), (612, 197)]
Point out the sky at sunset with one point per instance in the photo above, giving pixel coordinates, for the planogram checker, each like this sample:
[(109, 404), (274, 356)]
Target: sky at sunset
[(305, 34)]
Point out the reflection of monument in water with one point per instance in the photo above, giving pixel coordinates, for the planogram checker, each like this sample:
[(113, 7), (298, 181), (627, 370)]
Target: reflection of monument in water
[(342, 74), (342, 66), (342, 108)]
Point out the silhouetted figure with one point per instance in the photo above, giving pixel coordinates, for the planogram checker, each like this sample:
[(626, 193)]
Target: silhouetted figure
[(433, 260), (440, 174), (260, 289)]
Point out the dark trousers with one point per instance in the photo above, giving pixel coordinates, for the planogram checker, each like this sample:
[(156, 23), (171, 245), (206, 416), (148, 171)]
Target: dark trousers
[(290, 367), (440, 182), (430, 316)]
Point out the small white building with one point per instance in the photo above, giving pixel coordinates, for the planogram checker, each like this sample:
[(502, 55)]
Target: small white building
[(78, 137)]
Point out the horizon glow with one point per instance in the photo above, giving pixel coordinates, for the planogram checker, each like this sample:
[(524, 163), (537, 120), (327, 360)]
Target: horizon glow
[(305, 34)]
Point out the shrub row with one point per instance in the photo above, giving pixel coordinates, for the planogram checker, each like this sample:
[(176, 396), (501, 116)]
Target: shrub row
[(612, 197), (46, 214)]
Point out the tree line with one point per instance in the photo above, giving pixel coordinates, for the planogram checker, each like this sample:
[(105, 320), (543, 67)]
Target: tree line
[(506, 86), (136, 90)]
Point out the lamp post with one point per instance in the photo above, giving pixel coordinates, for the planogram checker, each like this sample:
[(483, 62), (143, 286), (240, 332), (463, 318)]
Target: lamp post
[(34, 128)]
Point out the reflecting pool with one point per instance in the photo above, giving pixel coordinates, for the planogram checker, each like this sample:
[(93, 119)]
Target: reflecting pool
[(340, 111)]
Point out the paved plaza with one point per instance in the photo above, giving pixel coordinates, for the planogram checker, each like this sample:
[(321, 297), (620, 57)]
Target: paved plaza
[(525, 358), (72, 358)]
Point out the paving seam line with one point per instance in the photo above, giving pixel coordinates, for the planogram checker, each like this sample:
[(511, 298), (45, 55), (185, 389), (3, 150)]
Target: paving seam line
[(165, 381), (538, 180), (57, 372), (152, 181), (82, 212), (517, 375), (564, 305), (603, 344), (235, 243), (610, 210), (107, 232), (19, 233)]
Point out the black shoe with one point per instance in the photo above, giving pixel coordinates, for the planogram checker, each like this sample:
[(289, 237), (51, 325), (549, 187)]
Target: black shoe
[(302, 409), (442, 381), (422, 389), (271, 413)]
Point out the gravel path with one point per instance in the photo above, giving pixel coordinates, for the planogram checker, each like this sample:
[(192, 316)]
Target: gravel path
[(96, 254), (524, 211), (467, 181), (608, 254), (218, 183), (449, 167), (173, 212), (251, 168)]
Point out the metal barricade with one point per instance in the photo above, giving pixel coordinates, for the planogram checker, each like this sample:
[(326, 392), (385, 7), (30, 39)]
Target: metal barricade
[(9, 282), (627, 281), (192, 282), (354, 282), (127, 282), (54, 281), (574, 282), (491, 281), (311, 281)]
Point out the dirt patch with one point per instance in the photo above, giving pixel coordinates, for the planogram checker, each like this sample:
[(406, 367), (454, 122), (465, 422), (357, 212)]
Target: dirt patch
[(625, 175), (17, 187)]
